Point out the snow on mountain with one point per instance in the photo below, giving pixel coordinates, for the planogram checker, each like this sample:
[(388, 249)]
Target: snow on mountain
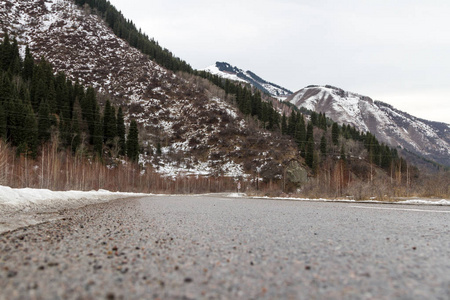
[(199, 131), (389, 125), (227, 71)]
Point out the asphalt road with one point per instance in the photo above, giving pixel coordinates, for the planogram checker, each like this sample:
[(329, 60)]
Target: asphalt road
[(212, 247)]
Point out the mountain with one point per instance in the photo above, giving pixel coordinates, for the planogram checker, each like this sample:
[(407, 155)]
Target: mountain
[(187, 125), (225, 70), (391, 126)]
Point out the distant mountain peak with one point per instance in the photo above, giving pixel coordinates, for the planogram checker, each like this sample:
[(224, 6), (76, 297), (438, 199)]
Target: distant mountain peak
[(391, 126), (228, 71)]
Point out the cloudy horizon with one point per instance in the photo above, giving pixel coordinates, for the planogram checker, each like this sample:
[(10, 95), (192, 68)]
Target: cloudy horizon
[(393, 52)]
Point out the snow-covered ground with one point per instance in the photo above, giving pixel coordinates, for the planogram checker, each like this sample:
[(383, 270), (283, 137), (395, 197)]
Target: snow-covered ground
[(24, 207), (40, 200), (416, 201)]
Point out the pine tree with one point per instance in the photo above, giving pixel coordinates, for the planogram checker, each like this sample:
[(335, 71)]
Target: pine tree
[(97, 136), (44, 122), (27, 135), (322, 121), (121, 132), (79, 126), (309, 159), (133, 142), (6, 89), (284, 126), (300, 135), (158, 149), (16, 61), (292, 122), (28, 65), (323, 145), (90, 113), (5, 53), (343, 156), (2, 123), (335, 134), (314, 118), (75, 133), (109, 124)]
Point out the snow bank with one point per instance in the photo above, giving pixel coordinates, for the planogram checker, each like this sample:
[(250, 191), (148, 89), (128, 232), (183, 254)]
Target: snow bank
[(41, 200), (409, 201), (427, 202)]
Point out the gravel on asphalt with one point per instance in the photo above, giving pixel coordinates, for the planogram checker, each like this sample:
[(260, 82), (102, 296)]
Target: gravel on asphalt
[(211, 247)]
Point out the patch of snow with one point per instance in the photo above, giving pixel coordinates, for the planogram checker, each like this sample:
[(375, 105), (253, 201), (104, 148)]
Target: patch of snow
[(27, 206), (236, 195), (427, 202), (44, 200)]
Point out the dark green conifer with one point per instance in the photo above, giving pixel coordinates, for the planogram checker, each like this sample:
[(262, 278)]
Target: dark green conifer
[(284, 125), (5, 53), (109, 124), (27, 132), (121, 132), (309, 159), (97, 137), (2, 123), (343, 156), (44, 122), (335, 133), (323, 145), (133, 141), (28, 65)]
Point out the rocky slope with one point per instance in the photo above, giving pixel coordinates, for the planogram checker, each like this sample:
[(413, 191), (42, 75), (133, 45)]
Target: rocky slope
[(228, 71), (392, 126), (198, 129)]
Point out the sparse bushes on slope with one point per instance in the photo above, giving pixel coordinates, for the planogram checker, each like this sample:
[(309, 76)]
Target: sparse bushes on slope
[(126, 30)]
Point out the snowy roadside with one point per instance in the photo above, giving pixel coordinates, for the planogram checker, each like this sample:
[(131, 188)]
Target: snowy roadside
[(416, 201), (24, 207)]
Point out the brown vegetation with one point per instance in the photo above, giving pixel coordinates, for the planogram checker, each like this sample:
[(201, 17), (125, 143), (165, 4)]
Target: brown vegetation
[(60, 170)]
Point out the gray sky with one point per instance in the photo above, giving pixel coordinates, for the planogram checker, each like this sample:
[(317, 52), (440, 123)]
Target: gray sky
[(394, 51)]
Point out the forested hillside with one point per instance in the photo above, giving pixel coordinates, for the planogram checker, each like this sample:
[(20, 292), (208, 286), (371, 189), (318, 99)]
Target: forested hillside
[(125, 29), (37, 106)]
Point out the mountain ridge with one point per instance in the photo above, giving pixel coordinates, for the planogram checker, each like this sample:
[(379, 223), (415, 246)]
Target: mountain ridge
[(227, 71), (396, 128)]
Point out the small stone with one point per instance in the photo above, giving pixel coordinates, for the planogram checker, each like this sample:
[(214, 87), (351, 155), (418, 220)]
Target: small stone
[(32, 286), (188, 280), (110, 296), (12, 274), (308, 268)]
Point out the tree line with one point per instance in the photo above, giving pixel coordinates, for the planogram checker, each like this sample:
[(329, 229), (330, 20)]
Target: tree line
[(37, 105), (127, 30)]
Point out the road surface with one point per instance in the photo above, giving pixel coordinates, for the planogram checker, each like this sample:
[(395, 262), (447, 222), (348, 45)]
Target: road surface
[(213, 247)]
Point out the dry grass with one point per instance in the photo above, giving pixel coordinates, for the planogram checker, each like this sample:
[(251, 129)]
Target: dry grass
[(60, 170)]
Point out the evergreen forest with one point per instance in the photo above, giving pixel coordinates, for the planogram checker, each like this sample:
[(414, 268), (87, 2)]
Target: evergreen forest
[(37, 107)]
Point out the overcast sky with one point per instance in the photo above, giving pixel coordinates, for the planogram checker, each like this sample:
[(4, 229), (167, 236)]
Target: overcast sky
[(394, 51)]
